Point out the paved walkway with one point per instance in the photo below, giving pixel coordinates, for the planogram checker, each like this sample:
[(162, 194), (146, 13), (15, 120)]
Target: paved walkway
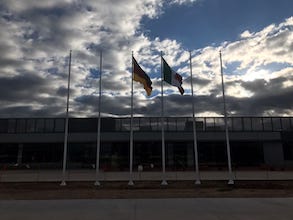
[(28, 175), (149, 209)]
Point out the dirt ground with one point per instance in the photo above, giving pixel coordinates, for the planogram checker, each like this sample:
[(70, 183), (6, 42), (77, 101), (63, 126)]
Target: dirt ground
[(120, 190)]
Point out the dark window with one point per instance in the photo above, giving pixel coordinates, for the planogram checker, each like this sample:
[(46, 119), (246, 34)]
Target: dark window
[(3, 126), (59, 125), (199, 124), (180, 124), (249, 154), (49, 125), (20, 126), (8, 153), (285, 124), (40, 125), (237, 124), (267, 123), (210, 124), (83, 125), (219, 124), (276, 124), (247, 124), (155, 124), (11, 125), (257, 124), (172, 124), (30, 125), (288, 150)]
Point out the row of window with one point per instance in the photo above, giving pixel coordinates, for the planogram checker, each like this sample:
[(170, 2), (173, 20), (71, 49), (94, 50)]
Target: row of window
[(113, 156), (57, 125)]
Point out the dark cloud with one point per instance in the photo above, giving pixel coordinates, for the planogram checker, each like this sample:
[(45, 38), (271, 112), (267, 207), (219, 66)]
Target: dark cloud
[(268, 95), (21, 87), (29, 111), (197, 82)]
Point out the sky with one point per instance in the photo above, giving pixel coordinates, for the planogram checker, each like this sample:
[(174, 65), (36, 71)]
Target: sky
[(255, 38)]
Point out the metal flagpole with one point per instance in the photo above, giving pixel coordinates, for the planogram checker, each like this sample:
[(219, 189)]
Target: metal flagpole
[(97, 183), (164, 182), (231, 179), (63, 183), (197, 177), (130, 183)]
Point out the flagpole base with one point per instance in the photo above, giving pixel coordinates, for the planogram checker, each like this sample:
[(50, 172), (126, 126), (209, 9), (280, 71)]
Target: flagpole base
[(63, 183), (231, 182), (130, 183), (164, 183), (97, 183), (197, 182)]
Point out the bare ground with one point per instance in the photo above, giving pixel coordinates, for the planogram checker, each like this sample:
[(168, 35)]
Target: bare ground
[(144, 189)]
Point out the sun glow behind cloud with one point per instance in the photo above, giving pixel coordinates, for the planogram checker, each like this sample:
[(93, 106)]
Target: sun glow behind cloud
[(257, 74)]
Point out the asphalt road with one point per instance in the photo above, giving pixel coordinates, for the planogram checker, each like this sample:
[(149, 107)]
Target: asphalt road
[(149, 209)]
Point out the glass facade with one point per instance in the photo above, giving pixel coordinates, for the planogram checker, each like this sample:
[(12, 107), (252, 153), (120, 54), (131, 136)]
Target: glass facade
[(114, 155), (177, 124)]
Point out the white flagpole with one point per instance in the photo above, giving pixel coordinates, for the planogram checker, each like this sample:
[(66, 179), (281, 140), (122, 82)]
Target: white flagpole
[(130, 183), (97, 183), (231, 179), (164, 182), (63, 183), (197, 176)]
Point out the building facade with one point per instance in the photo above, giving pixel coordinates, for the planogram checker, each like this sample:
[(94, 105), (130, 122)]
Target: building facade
[(256, 143)]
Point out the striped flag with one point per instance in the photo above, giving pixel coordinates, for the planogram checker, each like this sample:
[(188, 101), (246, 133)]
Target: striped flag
[(171, 77), (140, 76)]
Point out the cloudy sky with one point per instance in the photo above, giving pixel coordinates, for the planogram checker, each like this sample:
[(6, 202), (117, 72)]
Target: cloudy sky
[(255, 37)]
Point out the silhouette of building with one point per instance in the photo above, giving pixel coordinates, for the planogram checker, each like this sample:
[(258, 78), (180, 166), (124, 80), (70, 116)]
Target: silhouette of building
[(256, 142)]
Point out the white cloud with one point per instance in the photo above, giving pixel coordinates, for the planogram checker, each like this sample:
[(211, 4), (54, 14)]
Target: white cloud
[(36, 37), (181, 2), (246, 34)]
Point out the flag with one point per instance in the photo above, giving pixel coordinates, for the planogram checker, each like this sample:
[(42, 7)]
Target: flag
[(171, 77), (140, 76)]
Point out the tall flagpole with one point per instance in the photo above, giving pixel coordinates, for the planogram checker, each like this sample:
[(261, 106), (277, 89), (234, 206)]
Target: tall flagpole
[(197, 177), (63, 183), (130, 183), (164, 182), (231, 179), (97, 183)]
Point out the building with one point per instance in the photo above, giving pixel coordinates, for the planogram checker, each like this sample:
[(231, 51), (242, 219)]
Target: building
[(256, 143)]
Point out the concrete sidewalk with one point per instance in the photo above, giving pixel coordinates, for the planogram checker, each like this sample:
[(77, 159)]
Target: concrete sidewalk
[(146, 209), (89, 175)]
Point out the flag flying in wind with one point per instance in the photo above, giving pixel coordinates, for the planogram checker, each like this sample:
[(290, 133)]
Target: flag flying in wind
[(171, 77), (140, 76)]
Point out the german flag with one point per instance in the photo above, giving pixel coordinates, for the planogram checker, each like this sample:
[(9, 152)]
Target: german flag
[(140, 76)]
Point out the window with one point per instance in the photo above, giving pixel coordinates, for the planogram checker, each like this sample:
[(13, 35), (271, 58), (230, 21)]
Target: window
[(276, 124), (40, 125), (49, 125), (288, 150), (3, 126), (285, 123), (219, 124), (237, 124), (59, 125), (155, 124), (181, 124), (11, 125), (247, 124), (171, 124), (210, 124), (257, 124), (267, 123), (20, 126), (30, 125)]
